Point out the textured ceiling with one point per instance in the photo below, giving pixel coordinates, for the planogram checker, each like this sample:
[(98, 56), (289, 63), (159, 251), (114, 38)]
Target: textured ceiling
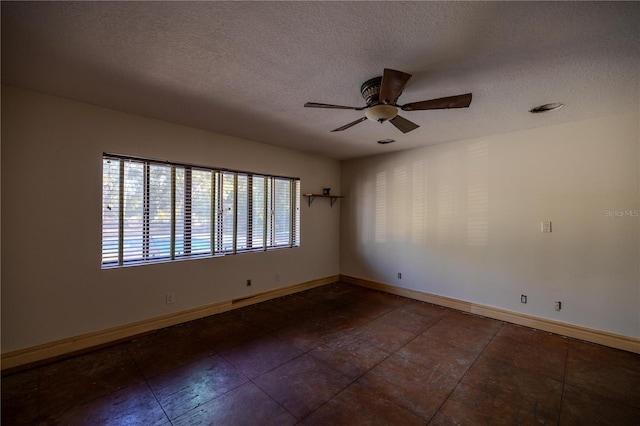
[(246, 68)]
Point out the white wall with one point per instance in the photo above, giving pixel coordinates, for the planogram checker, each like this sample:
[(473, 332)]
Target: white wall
[(52, 284), (462, 220)]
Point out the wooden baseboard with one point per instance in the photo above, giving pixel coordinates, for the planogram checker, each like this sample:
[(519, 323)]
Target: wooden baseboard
[(570, 330), (60, 348)]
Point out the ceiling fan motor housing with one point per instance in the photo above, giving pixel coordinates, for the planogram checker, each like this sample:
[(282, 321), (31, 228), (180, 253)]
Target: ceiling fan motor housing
[(376, 111), (370, 90)]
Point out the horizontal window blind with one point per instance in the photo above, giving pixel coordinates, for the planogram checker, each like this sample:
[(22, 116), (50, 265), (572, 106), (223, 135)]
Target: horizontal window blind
[(155, 211)]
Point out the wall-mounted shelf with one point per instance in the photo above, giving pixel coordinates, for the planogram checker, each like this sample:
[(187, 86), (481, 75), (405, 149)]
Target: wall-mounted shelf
[(332, 198)]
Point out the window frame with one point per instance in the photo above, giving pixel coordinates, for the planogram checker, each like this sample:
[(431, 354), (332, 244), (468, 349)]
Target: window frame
[(221, 220)]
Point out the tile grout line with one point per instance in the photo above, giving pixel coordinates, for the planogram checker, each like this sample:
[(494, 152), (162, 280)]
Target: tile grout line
[(38, 395), (250, 380), (146, 382), (41, 415), (389, 354), (466, 372), (337, 371), (306, 352), (213, 353), (209, 400), (272, 334), (158, 401), (564, 381), (341, 373)]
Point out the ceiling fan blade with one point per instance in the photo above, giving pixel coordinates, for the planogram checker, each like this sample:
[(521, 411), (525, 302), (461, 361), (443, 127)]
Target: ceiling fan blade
[(459, 101), (402, 124), (346, 126), (317, 105), (392, 84)]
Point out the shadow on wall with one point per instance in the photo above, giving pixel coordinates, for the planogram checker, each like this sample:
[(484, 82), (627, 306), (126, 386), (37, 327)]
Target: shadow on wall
[(440, 199)]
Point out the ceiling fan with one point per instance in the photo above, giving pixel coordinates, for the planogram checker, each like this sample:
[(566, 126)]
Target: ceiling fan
[(381, 95)]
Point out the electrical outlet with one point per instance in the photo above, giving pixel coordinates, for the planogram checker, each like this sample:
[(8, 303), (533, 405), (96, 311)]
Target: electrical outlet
[(523, 298), (399, 275), (170, 297), (557, 305), (248, 283)]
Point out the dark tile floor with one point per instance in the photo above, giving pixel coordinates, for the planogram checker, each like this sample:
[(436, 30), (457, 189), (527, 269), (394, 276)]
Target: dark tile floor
[(333, 355)]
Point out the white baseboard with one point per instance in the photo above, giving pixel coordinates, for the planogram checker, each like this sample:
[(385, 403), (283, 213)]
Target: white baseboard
[(570, 330), (52, 350)]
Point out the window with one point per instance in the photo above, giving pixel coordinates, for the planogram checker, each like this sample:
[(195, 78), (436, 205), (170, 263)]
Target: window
[(158, 211)]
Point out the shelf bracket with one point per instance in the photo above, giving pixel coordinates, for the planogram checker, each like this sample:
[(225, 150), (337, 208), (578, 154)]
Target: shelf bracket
[(310, 199)]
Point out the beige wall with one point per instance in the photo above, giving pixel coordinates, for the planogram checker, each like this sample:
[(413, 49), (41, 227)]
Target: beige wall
[(52, 284), (463, 220), (459, 220)]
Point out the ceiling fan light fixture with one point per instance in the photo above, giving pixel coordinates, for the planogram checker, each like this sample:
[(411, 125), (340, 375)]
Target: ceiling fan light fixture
[(381, 112)]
